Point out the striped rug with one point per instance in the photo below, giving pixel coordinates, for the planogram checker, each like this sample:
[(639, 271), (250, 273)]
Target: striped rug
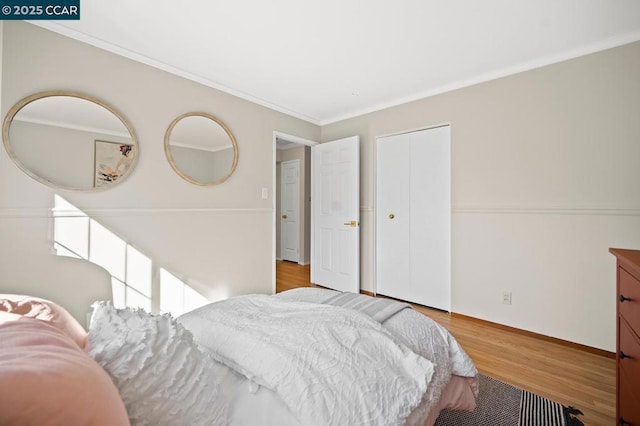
[(500, 404)]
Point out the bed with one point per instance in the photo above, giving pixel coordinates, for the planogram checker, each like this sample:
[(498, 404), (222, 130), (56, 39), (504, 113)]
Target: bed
[(305, 356)]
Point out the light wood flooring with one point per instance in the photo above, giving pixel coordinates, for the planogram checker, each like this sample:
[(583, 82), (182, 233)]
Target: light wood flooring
[(568, 375)]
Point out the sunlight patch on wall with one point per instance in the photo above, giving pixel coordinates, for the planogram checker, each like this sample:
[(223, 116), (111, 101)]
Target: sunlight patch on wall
[(70, 229), (107, 250), (78, 235), (176, 297)]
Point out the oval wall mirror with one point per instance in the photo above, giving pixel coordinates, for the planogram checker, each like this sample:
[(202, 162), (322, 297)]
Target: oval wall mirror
[(201, 148), (69, 140)]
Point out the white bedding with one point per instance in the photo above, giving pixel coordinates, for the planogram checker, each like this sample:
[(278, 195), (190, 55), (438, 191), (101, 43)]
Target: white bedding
[(417, 343), (341, 366), (422, 335)]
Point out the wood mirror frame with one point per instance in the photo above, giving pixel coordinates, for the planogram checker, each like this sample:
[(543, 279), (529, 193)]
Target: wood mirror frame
[(203, 147), (105, 128)]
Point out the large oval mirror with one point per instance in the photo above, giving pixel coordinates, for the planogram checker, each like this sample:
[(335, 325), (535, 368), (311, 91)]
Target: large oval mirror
[(201, 148), (69, 140)]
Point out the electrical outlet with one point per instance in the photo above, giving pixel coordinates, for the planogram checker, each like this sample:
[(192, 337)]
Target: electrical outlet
[(506, 297)]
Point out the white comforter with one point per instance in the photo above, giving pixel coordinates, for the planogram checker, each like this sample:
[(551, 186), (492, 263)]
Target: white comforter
[(422, 335), (279, 343)]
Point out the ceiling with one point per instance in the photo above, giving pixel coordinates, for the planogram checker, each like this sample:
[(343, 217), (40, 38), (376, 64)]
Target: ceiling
[(324, 61)]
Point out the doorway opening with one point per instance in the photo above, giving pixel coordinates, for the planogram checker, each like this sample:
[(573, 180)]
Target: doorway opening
[(292, 207)]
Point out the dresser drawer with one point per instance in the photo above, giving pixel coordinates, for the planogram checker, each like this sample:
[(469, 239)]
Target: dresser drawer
[(629, 404), (629, 289), (629, 356)]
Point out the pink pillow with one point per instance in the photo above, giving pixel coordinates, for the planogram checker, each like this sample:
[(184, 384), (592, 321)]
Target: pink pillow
[(47, 379), (45, 310)]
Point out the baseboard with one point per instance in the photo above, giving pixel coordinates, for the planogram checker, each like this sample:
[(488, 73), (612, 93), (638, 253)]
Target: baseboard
[(539, 336), (520, 331)]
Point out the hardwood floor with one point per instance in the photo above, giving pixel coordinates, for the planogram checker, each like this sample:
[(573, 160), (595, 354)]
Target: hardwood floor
[(568, 375)]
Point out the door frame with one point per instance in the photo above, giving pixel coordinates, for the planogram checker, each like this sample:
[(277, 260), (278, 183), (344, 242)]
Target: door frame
[(289, 138)]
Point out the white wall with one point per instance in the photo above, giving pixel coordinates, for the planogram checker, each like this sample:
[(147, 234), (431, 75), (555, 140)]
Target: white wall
[(219, 237), (545, 179)]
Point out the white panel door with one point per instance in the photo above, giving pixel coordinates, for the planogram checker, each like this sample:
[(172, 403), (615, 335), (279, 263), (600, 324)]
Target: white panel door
[(413, 217), (393, 213), (335, 209), (290, 210)]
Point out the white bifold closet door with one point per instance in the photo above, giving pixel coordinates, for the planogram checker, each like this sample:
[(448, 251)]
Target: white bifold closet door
[(413, 217)]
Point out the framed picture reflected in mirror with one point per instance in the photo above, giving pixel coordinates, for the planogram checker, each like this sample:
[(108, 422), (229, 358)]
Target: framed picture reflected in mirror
[(112, 161)]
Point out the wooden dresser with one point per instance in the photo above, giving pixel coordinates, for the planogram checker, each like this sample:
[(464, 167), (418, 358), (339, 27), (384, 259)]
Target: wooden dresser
[(628, 337)]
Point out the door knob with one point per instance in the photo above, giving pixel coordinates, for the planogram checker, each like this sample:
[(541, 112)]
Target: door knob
[(352, 224), (284, 216), (391, 216)]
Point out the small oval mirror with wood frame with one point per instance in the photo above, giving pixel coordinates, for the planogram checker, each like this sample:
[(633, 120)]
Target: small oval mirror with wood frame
[(201, 148), (69, 140)]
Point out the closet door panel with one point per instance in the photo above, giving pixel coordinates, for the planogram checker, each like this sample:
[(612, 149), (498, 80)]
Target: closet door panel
[(393, 215), (413, 246), (431, 217)]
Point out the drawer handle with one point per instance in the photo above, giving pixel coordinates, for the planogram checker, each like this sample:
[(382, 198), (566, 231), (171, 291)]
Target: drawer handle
[(622, 421), (623, 298), (623, 355)]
